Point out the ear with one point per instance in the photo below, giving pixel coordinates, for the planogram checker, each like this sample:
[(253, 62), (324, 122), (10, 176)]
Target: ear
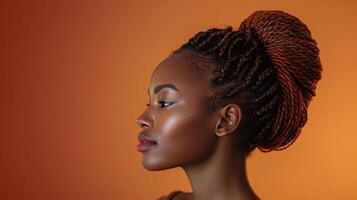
[(229, 119)]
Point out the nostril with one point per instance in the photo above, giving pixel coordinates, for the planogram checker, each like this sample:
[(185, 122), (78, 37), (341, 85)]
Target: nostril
[(141, 123), (138, 123)]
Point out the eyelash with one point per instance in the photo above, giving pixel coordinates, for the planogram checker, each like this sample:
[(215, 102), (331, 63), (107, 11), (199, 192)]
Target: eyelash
[(160, 102)]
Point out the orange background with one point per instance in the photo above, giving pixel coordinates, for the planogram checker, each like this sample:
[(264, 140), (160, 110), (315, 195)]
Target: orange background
[(74, 77)]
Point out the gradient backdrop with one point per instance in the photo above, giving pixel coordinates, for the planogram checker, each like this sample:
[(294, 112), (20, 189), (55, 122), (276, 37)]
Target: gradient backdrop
[(74, 77)]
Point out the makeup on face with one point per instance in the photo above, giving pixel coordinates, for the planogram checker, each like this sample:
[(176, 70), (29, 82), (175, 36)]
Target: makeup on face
[(146, 143), (177, 119), (164, 99)]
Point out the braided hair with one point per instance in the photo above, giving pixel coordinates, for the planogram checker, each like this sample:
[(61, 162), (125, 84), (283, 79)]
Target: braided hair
[(271, 66)]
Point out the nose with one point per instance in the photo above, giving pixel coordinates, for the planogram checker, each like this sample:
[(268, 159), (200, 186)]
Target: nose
[(142, 123)]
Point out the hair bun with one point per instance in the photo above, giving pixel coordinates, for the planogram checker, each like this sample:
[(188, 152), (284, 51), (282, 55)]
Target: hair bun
[(288, 44)]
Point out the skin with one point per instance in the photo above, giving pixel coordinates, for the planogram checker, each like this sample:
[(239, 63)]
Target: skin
[(191, 136)]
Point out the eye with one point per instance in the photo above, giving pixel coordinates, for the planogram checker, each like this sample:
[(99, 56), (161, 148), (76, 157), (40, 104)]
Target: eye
[(162, 104)]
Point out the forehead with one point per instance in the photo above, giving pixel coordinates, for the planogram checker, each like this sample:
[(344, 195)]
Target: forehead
[(183, 71)]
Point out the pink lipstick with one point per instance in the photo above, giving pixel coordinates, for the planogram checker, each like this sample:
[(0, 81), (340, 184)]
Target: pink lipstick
[(145, 143), (142, 146)]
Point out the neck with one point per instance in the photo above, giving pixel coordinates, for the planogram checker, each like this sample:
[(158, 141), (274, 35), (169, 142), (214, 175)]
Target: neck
[(221, 176)]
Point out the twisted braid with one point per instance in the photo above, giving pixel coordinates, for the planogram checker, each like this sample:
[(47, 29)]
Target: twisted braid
[(271, 66)]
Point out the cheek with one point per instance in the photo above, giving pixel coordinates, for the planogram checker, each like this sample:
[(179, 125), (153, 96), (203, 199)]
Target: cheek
[(176, 126), (181, 125), (186, 136)]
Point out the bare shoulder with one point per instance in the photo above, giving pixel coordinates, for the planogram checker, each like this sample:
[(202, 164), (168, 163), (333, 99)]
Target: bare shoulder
[(183, 196), (176, 195)]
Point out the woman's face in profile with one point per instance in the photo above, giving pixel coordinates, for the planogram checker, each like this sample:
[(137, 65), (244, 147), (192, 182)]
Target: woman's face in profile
[(177, 119)]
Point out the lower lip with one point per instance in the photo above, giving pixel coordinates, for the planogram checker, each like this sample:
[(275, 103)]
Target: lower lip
[(143, 147)]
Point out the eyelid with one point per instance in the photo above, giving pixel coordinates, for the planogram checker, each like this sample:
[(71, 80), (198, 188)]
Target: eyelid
[(162, 102)]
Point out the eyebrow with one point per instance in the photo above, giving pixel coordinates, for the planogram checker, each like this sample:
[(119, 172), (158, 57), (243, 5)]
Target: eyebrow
[(162, 86)]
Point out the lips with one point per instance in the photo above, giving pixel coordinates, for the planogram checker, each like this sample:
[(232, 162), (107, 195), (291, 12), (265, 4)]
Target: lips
[(142, 138), (145, 143)]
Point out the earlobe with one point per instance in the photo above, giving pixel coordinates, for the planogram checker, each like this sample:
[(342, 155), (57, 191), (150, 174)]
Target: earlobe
[(220, 129), (229, 119)]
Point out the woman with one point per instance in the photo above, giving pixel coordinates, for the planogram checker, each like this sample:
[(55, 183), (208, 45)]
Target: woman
[(223, 94)]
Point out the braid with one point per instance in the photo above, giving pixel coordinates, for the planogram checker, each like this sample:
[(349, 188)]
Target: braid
[(271, 66)]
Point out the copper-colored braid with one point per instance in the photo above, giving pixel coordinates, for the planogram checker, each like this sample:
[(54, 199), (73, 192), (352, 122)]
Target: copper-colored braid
[(271, 65), (294, 55)]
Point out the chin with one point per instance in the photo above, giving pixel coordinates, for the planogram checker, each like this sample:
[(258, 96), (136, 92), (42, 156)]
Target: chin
[(153, 165)]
